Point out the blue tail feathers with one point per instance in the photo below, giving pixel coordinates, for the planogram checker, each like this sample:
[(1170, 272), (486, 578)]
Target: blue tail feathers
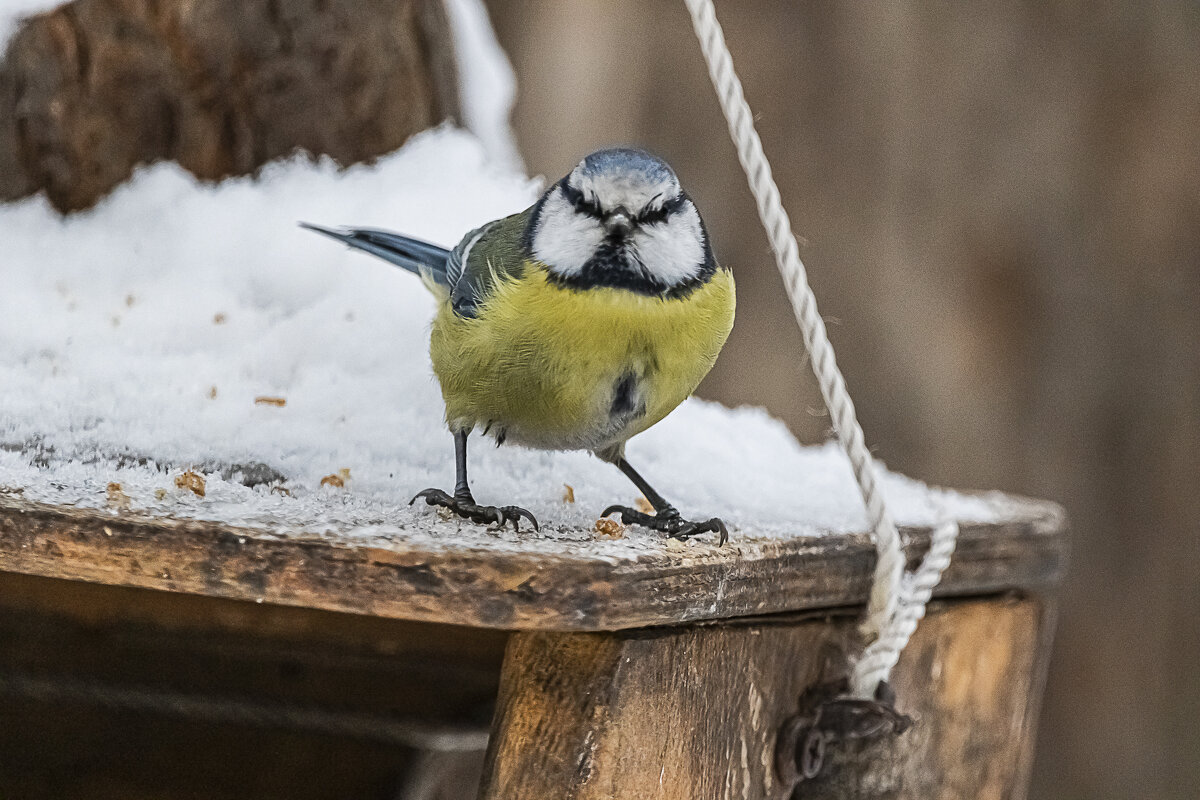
[(414, 255)]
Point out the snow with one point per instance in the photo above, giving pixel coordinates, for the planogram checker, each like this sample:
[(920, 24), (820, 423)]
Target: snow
[(136, 337), (487, 84), (13, 12)]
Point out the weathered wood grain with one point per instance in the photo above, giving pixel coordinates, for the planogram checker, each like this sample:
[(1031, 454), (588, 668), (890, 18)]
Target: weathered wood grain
[(689, 713), (95, 87), (505, 589)]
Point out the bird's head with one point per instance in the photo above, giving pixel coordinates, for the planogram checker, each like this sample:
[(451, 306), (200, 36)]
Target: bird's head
[(621, 219)]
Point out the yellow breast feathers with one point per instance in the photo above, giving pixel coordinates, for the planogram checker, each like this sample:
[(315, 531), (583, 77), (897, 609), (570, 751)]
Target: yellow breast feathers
[(560, 368)]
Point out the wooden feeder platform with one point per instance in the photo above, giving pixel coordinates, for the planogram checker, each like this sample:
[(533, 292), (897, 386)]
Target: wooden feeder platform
[(659, 673), (150, 657)]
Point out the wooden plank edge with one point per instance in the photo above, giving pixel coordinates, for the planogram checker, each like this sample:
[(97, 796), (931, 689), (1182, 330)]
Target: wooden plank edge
[(516, 591)]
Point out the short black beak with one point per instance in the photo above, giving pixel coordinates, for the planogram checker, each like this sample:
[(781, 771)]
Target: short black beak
[(618, 222)]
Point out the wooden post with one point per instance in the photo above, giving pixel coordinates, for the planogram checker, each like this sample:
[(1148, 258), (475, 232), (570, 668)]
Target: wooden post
[(684, 713), (95, 87)]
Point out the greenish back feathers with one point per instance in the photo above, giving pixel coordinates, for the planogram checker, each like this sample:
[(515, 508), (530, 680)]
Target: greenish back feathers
[(487, 254)]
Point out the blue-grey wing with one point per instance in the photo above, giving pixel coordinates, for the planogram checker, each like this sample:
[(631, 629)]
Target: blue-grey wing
[(414, 255)]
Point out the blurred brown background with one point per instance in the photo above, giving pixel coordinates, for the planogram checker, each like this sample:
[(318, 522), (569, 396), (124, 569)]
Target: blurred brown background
[(1002, 208), (1001, 204)]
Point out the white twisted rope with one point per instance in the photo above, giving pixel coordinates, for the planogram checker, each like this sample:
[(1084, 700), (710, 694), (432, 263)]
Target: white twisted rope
[(896, 603), (876, 662)]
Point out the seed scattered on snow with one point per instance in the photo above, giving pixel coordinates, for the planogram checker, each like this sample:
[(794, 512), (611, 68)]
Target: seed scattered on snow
[(192, 481), (610, 528), (219, 318), (278, 402), (568, 493), (116, 496), (338, 479)]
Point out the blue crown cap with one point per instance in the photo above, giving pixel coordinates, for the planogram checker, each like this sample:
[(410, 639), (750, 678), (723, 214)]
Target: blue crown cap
[(627, 159)]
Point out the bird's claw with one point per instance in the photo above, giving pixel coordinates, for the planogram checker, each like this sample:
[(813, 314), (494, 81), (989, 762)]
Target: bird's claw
[(467, 508), (514, 514), (669, 522)]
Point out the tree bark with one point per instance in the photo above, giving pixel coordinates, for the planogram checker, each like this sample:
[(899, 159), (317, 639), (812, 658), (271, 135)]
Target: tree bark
[(96, 87)]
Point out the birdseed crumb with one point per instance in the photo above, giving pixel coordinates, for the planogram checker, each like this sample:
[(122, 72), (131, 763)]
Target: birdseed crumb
[(192, 481), (337, 479), (116, 496), (610, 528)]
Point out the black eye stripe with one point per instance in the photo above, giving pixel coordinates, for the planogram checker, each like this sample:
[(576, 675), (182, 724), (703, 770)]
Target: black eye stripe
[(660, 214), (649, 216), (581, 203)]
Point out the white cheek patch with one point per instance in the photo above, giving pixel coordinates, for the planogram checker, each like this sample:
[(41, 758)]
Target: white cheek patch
[(672, 251), (565, 240)]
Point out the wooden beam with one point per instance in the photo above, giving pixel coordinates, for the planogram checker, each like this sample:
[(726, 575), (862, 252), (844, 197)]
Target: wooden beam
[(512, 589), (683, 713), (541, 588), (156, 643), (143, 695)]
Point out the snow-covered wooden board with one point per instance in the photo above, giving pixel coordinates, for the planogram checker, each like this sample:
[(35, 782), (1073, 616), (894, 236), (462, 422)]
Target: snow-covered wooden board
[(437, 571), (293, 376)]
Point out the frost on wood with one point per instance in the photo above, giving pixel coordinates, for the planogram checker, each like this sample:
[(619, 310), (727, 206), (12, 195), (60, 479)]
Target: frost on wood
[(136, 338)]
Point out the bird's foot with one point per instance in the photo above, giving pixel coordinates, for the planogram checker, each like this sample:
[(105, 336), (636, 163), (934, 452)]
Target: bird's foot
[(465, 506), (669, 522)]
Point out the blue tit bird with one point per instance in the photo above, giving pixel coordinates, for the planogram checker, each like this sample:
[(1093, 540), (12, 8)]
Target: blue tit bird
[(573, 325)]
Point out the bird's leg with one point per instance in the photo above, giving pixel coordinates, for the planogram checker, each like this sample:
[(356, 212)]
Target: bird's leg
[(463, 504), (666, 517), (462, 489)]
